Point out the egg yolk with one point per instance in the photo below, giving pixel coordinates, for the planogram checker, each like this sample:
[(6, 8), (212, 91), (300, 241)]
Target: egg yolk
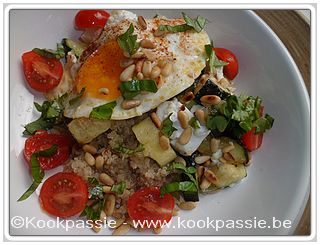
[(102, 70)]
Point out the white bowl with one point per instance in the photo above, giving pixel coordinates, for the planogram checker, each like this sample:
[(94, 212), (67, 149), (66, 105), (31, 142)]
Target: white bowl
[(277, 184)]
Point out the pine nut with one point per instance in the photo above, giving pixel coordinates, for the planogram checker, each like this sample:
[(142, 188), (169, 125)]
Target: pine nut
[(103, 216), (201, 159), (164, 142), (104, 91), (89, 159), (89, 148), (167, 70), (129, 104), (224, 82), (159, 81), (200, 115), (200, 171), (124, 63), (156, 120), (210, 100), (106, 189), (162, 63), (187, 205), (121, 230), (227, 148), (96, 226), (139, 75), (188, 97), (99, 162), (203, 78), (126, 54), (180, 160), (228, 157), (210, 176), (185, 136), (159, 33), (146, 43), (137, 55), (149, 54), (118, 222), (205, 184), (139, 65), (183, 119), (221, 159), (214, 145), (142, 22), (109, 204), (146, 68), (130, 222), (175, 212), (106, 179), (127, 73), (155, 72), (157, 230)]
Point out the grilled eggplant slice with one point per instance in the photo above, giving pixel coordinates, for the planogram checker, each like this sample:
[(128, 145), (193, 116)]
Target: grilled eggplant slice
[(211, 88)]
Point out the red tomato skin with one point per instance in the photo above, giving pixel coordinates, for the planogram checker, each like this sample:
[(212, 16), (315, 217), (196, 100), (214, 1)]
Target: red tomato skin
[(230, 70), (251, 140), (152, 208), (71, 187), (38, 80), (91, 18), (43, 140)]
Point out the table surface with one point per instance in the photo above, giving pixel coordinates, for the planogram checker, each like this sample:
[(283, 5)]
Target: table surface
[(294, 32)]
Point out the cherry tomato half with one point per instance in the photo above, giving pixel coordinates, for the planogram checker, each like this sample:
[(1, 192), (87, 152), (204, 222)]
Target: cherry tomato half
[(42, 140), (230, 70), (146, 205), (42, 74), (91, 18), (64, 195)]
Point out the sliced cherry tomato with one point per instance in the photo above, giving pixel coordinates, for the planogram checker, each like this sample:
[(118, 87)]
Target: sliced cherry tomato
[(146, 205), (230, 70), (64, 195), (42, 140), (42, 74), (91, 18)]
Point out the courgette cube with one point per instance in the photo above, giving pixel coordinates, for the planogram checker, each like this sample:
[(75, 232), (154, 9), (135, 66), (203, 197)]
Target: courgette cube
[(148, 135), (228, 174), (239, 154)]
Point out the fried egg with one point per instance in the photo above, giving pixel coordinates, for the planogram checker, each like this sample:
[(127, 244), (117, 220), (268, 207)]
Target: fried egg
[(100, 71)]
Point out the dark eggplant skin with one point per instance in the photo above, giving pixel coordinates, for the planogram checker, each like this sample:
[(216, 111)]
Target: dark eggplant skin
[(189, 196)]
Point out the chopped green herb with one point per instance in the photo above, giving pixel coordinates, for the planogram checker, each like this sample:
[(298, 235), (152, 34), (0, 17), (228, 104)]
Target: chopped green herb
[(74, 46), (128, 42), (119, 188), (103, 111), (52, 54), (213, 60), (167, 128), (217, 122), (93, 212), (178, 186), (194, 123), (128, 151), (130, 89), (77, 98)]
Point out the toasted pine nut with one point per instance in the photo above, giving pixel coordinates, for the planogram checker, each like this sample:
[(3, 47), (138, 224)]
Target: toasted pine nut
[(203, 78), (214, 145), (121, 230), (201, 159), (227, 148), (129, 104), (175, 212), (155, 72), (200, 171), (162, 63), (126, 54), (127, 73), (228, 157), (118, 222), (180, 160), (139, 65), (159, 81), (188, 97), (146, 68), (187, 205), (204, 184), (224, 82), (126, 62), (142, 22), (103, 216), (158, 33), (185, 136), (146, 43), (106, 189), (89, 159), (183, 119), (221, 159), (210, 100), (104, 91), (96, 226), (109, 204), (167, 69), (210, 176), (130, 222), (156, 120), (151, 55), (89, 148), (157, 230), (140, 75), (99, 162), (106, 179), (137, 55), (164, 142), (200, 115)]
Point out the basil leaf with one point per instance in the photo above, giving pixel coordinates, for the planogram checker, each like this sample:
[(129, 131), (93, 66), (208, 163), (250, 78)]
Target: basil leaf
[(197, 24), (194, 123), (263, 123), (213, 60), (167, 129), (92, 181), (188, 171), (103, 111), (128, 151), (77, 98), (217, 122), (36, 171), (38, 124), (93, 212), (175, 29), (177, 186), (119, 188), (130, 89), (128, 42), (52, 54)]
